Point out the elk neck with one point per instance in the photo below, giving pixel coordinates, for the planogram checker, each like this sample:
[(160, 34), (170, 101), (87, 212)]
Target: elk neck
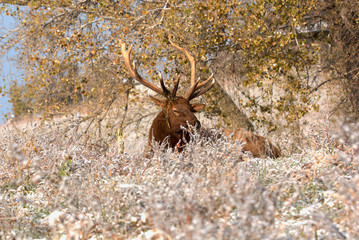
[(161, 130), (167, 117), (161, 126)]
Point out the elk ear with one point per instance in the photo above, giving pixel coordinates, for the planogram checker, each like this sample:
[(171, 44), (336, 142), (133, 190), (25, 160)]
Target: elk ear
[(196, 107), (158, 102)]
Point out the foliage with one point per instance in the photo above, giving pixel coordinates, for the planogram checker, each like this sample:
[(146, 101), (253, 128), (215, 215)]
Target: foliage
[(19, 105), (69, 50)]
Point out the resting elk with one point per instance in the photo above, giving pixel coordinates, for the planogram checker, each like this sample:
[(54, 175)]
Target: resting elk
[(178, 112), (257, 145)]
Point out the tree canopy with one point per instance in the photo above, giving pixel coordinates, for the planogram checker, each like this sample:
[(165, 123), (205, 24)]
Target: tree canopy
[(270, 53)]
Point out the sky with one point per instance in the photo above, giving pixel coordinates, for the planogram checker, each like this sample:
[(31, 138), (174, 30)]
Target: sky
[(8, 69)]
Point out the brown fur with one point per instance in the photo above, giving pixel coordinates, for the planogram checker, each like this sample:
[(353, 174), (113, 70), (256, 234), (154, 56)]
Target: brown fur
[(257, 145)]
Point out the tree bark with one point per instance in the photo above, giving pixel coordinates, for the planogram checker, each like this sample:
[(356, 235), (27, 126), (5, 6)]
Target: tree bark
[(225, 68)]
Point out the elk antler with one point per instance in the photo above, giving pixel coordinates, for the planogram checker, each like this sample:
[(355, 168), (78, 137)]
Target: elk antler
[(190, 59), (175, 88), (198, 92), (133, 72), (165, 90), (195, 87)]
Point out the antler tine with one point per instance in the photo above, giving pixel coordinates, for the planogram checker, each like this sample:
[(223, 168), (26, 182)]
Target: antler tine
[(204, 90), (175, 88), (194, 90), (191, 90), (133, 71), (190, 59), (200, 85), (165, 90)]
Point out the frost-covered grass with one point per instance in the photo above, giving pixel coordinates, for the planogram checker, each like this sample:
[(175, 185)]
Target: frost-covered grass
[(55, 184)]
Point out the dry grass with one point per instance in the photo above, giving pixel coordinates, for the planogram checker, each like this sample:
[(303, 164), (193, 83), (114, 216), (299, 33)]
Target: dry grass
[(56, 185)]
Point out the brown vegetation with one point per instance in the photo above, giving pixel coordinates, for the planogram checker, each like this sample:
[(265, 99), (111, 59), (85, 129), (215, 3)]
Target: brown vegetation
[(56, 185)]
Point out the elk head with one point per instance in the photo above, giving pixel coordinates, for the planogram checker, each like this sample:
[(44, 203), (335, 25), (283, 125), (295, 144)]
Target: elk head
[(177, 112)]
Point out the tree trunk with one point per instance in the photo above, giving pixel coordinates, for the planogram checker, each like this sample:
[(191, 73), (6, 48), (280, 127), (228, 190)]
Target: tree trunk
[(225, 68)]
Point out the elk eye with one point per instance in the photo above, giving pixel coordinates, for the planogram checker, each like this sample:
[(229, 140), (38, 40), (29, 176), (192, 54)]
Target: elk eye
[(176, 112)]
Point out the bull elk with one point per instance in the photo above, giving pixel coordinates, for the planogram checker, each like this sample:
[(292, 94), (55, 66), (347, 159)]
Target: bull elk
[(178, 113)]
